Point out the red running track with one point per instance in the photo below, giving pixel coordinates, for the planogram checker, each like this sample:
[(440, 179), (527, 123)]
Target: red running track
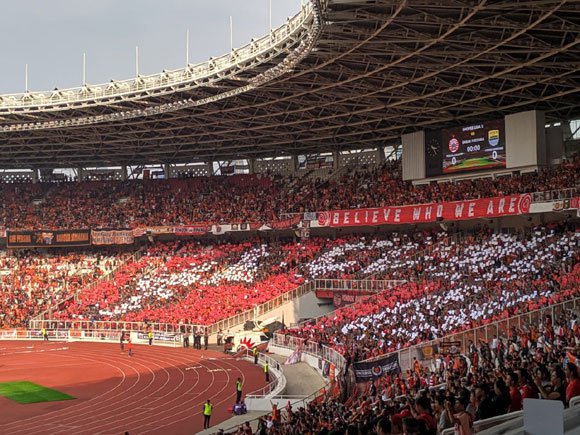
[(158, 390)]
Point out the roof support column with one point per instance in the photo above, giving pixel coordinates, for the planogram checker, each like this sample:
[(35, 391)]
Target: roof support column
[(252, 165), (335, 159), (80, 174), (124, 172), (167, 171), (35, 176), (380, 156)]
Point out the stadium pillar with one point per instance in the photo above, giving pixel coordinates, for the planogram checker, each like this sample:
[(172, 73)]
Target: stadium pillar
[(380, 155), (80, 174), (124, 172), (167, 171), (335, 159), (252, 166), (294, 163), (35, 176)]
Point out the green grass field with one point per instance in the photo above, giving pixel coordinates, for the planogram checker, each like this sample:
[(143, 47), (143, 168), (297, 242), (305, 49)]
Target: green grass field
[(28, 392), (474, 163)]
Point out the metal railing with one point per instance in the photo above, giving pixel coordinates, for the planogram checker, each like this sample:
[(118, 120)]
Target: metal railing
[(498, 329), (311, 347), (277, 384), (262, 309), (109, 325), (481, 425), (92, 335), (224, 325), (214, 68), (554, 195), (356, 285)]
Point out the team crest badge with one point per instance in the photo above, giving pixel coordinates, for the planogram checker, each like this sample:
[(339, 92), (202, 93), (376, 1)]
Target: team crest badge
[(493, 137)]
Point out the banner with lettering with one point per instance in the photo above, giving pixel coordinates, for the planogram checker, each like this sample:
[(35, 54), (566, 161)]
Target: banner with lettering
[(447, 211), (369, 370), (284, 224), (178, 230), (112, 237), (47, 238)]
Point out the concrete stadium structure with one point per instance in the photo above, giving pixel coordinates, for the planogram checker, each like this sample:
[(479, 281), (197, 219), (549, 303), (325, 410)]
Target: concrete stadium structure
[(340, 75)]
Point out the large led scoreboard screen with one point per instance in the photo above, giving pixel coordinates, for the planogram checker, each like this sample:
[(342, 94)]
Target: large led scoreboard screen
[(468, 148)]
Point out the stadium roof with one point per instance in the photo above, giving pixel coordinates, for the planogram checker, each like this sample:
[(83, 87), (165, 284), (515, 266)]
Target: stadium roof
[(341, 74)]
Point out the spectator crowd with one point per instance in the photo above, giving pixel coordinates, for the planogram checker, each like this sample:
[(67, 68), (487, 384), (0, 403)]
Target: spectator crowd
[(257, 198), (446, 284), (31, 283), (457, 285)]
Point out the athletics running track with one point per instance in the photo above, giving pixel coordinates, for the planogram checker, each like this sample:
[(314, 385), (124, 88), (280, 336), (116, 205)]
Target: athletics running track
[(159, 390)]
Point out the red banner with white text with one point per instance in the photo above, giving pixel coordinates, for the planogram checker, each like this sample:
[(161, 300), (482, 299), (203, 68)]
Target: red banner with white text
[(409, 214)]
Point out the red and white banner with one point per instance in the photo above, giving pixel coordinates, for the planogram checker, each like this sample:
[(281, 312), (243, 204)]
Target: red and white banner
[(285, 223), (447, 211), (112, 237), (180, 230)]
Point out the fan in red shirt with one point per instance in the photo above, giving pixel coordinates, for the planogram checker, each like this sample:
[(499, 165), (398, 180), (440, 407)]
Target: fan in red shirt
[(528, 387), (515, 395), (573, 388)]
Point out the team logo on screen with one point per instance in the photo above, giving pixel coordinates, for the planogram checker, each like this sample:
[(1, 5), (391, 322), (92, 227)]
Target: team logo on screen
[(453, 145), (493, 137)]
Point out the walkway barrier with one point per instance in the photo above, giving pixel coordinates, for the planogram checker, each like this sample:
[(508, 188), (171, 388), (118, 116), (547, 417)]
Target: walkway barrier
[(312, 348), (482, 425), (92, 335), (461, 340), (554, 195), (260, 399), (356, 285)]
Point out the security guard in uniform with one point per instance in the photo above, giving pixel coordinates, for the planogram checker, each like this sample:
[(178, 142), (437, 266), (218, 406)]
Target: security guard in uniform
[(255, 350), (239, 390), (267, 371), (150, 337), (207, 409), (44, 334)]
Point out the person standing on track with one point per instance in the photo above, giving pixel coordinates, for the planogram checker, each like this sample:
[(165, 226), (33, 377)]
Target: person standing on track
[(197, 340), (267, 371), (186, 337), (130, 346), (207, 410), (122, 341), (205, 338), (44, 334), (255, 351), (150, 337), (239, 390)]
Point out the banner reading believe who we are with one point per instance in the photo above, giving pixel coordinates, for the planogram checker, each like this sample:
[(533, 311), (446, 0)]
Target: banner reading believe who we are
[(457, 210)]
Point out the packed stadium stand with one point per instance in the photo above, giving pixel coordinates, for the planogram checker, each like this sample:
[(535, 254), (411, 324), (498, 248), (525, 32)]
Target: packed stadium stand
[(258, 198), (400, 176)]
